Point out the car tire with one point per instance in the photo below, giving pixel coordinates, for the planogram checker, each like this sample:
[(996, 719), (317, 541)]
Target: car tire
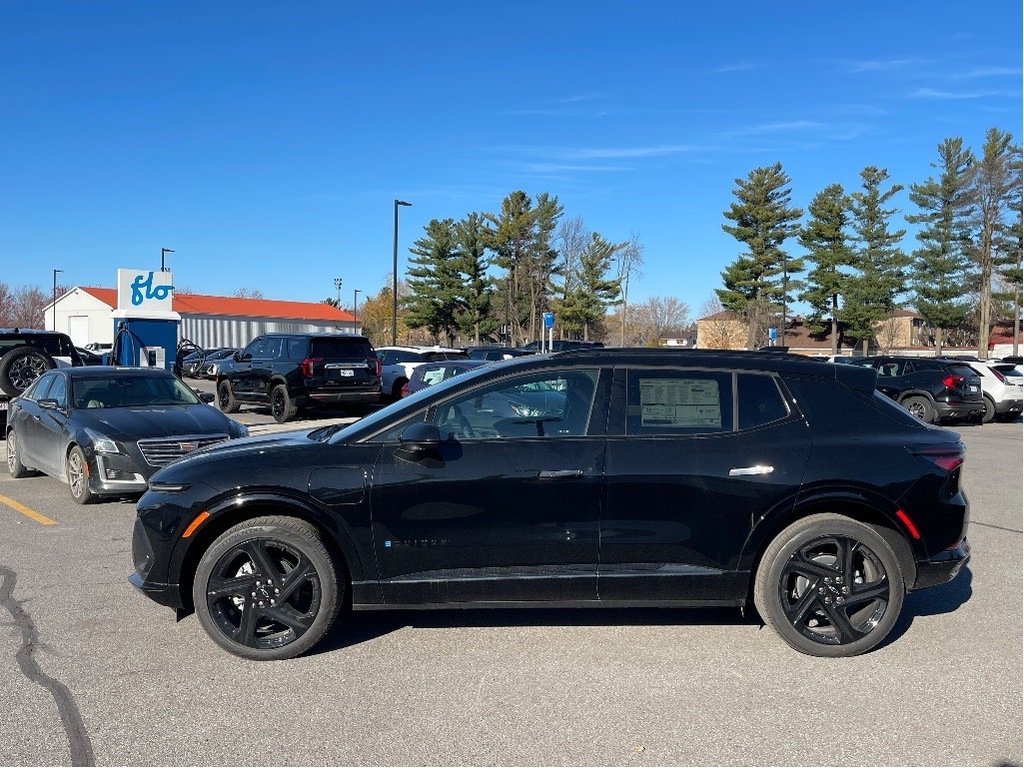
[(990, 411), (78, 476), (282, 407), (247, 599), (21, 366), (14, 465), (226, 401), (920, 407), (814, 601)]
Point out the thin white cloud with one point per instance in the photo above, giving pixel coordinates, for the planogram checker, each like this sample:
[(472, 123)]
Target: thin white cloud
[(658, 150), (795, 125), (736, 66), (934, 93), (989, 72), (572, 168), (880, 65)]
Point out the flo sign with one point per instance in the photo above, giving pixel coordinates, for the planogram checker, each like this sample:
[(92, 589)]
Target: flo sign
[(144, 291)]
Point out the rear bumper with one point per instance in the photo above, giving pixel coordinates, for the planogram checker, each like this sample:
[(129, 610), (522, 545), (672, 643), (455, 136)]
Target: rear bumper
[(959, 410), (944, 567), (344, 397), (1009, 407)]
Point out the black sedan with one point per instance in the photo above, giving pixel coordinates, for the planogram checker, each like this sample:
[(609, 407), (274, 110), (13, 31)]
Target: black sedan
[(585, 478), (106, 430)]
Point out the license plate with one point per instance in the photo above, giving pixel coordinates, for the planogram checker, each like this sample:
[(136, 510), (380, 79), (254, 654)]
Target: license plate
[(3, 405), (346, 372), (973, 388)]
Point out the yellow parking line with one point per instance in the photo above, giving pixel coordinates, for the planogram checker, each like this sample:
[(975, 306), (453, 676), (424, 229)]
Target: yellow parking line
[(19, 507)]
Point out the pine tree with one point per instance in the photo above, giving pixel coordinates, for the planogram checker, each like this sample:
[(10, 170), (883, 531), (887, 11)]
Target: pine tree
[(827, 243), (880, 280), (435, 281), (478, 291), (996, 191), (584, 306), (760, 277), (510, 236), (938, 277)]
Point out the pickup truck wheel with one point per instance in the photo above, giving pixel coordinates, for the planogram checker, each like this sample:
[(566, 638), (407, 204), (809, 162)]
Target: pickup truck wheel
[(21, 366), (226, 397), (990, 411), (282, 407)]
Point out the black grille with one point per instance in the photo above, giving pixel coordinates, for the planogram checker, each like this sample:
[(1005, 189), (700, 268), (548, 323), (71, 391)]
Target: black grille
[(164, 450)]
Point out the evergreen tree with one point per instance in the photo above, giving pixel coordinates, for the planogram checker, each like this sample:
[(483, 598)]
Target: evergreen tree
[(1013, 276), (880, 278), (938, 277), (584, 307), (510, 236), (435, 281), (478, 291), (827, 243), (543, 258), (996, 194), (760, 276)]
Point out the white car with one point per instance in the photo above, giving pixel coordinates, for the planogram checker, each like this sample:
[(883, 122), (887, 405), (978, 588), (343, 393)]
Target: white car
[(1001, 386), (398, 363)]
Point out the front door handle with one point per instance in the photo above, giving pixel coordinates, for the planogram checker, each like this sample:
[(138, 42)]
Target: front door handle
[(552, 474), (757, 469)]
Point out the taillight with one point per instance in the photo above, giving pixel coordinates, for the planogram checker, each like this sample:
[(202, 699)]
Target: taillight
[(998, 375), (306, 366), (951, 382), (946, 457), (374, 362), (405, 389)]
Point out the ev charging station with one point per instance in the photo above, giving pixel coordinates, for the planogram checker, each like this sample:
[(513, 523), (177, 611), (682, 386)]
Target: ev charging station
[(145, 326)]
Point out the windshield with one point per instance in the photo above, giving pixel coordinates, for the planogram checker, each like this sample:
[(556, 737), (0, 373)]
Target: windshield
[(131, 392)]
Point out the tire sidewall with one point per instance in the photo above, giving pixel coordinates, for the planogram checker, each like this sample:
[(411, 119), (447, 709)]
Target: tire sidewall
[(776, 557), (11, 357), (225, 392), (295, 534)]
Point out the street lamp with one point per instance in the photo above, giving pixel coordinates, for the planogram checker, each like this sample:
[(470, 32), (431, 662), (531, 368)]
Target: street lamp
[(55, 297), (394, 280), (355, 308), (337, 287), (162, 252)]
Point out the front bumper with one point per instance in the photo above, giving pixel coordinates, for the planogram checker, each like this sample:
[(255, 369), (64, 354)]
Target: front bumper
[(942, 568)]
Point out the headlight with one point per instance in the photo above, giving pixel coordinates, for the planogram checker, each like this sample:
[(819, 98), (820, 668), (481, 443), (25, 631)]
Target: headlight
[(101, 443)]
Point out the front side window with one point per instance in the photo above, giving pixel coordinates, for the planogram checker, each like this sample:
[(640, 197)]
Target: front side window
[(550, 404), (58, 391), (256, 348)]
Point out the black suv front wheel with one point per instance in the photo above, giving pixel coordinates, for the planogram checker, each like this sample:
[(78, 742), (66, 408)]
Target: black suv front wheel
[(267, 589)]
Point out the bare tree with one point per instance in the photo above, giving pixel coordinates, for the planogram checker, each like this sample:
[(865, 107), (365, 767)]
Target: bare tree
[(630, 258), (23, 307), (248, 293)]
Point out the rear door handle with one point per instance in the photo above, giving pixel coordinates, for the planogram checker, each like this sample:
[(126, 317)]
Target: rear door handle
[(757, 469), (552, 474)]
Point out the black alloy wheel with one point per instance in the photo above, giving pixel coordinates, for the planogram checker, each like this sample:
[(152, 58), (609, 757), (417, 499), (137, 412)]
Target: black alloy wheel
[(226, 397), (282, 407), (21, 366), (830, 586), (921, 408), (267, 589)]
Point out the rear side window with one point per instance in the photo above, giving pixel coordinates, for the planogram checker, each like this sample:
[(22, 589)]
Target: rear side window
[(760, 401), (329, 347), (964, 370), (674, 402)]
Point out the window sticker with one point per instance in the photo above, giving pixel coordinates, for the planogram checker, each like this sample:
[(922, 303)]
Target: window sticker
[(680, 403)]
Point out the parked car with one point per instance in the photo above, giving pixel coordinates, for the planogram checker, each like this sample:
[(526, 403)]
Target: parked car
[(1003, 396), (428, 374), (586, 478), (398, 363), (495, 352), (89, 357), (932, 389), (291, 371), (562, 345), (214, 360), (106, 430), (25, 355)]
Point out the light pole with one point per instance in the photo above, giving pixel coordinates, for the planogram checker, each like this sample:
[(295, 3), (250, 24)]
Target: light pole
[(337, 287), (355, 308), (55, 297), (394, 279), (162, 252)]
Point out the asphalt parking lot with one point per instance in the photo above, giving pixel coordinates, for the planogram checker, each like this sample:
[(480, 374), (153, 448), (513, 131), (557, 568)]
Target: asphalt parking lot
[(93, 673)]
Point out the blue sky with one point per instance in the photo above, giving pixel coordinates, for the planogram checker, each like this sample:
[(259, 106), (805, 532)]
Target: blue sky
[(266, 141)]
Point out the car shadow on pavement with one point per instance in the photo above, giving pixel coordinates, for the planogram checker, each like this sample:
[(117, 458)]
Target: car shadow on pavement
[(356, 627), (944, 598)]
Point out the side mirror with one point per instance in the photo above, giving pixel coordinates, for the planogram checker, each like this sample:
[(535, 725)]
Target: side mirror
[(421, 434)]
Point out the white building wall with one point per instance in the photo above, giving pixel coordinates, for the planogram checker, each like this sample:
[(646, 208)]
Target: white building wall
[(93, 320)]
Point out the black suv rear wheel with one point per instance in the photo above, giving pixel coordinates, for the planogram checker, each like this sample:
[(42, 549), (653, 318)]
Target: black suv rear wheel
[(21, 366), (830, 586)]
